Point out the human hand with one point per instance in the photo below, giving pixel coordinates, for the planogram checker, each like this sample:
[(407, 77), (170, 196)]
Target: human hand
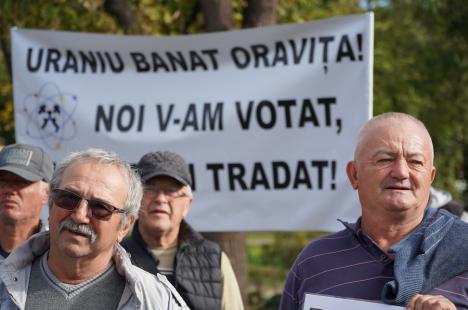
[(430, 302)]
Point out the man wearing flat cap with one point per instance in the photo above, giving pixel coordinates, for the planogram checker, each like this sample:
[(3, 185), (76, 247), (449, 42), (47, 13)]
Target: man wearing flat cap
[(25, 172), (163, 242)]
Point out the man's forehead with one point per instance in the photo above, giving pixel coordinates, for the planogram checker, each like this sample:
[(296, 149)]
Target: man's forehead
[(84, 170), (396, 135), (84, 164), (8, 175), (164, 179), (398, 151)]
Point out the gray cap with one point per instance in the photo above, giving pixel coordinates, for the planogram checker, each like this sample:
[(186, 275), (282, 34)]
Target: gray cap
[(164, 163), (27, 161)]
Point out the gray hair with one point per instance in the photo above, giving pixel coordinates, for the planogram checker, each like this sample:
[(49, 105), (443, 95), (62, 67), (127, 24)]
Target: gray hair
[(188, 191), (135, 189), (390, 115)]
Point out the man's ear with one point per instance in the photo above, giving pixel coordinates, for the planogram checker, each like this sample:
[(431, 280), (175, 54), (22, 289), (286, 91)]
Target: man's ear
[(351, 171), (187, 207), (124, 230), (44, 192), (433, 174)]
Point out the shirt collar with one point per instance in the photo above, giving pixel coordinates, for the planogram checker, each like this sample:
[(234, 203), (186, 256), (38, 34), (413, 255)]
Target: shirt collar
[(366, 242)]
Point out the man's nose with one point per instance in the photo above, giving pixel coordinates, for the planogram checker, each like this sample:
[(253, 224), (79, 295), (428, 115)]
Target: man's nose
[(400, 169), (82, 213), (160, 196)]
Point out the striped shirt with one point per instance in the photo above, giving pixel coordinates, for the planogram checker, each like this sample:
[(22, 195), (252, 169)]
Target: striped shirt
[(349, 264)]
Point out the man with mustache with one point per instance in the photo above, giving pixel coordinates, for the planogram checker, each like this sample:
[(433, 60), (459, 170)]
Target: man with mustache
[(163, 242), (25, 171), (79, 264), (399, 251)]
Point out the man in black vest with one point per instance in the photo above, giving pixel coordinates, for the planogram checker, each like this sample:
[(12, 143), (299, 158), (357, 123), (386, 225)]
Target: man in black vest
[(163, 242)]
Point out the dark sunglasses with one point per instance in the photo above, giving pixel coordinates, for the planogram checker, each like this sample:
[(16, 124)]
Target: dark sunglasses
[(70, 201)]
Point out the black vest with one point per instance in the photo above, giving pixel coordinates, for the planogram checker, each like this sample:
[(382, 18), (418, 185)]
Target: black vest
[(197, 268)]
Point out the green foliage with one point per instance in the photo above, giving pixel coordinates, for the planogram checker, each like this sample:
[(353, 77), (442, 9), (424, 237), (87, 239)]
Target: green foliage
[(298, 11), (421, 67), (57, 15), (169, 17), (6, 114), (6, 104), (270, 255)]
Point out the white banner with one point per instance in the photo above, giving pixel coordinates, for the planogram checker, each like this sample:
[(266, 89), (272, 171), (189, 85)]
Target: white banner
[(266, 117)]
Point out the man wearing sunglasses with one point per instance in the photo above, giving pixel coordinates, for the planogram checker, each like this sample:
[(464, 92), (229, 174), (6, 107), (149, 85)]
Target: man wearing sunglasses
[(25, 171), (79, 264), (163, 242)]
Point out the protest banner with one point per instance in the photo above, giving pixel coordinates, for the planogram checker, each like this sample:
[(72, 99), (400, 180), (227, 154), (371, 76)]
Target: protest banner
[(266, 117)]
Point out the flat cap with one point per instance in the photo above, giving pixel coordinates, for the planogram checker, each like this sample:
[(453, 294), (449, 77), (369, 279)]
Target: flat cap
[(164, 163), (27, 161)]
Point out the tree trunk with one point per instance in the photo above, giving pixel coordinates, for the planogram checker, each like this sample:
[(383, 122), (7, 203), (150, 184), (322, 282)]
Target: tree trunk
[(6, 57), (124, 13), (233, 244), (259, 13), (218, 14), (5, 41)]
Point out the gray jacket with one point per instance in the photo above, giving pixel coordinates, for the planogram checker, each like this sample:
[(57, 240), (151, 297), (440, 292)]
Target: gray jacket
[(142, 289), (42, 227)]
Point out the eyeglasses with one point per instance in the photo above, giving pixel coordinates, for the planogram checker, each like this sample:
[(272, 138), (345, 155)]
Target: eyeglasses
[(69, 201), (170, 192)]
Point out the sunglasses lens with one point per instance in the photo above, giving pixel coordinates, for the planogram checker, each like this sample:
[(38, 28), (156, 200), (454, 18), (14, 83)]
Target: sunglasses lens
[(70, 201), (99, 210), (66, 200)]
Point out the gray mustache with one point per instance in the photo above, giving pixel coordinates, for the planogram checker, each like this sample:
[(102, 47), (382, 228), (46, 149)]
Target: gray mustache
[(78, 228)]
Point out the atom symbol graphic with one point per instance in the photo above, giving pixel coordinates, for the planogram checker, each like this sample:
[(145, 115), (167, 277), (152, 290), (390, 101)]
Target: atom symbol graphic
[(49, 115)]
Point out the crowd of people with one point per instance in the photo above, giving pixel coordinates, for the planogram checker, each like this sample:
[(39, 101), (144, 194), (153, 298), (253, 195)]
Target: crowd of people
[(117, 237)]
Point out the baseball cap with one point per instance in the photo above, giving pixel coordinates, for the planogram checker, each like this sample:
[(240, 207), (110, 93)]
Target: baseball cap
[(27, 161), (164, 163)]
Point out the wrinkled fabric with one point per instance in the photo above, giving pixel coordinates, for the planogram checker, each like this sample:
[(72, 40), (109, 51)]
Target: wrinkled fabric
[(432, 254)]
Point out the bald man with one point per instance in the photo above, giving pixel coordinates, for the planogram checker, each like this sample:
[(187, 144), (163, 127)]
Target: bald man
[(399, 251)]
